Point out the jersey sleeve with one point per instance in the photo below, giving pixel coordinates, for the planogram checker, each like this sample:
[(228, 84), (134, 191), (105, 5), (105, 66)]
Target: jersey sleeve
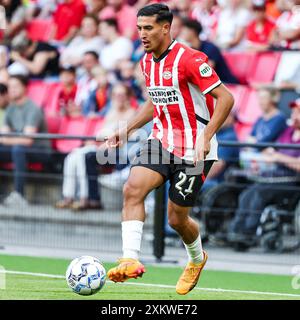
[(200, 73)]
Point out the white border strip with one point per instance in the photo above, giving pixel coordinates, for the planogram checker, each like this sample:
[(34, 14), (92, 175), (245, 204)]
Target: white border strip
[(220, 290)]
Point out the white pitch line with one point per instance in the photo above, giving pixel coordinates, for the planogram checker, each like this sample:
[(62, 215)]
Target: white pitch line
[(164, 286)]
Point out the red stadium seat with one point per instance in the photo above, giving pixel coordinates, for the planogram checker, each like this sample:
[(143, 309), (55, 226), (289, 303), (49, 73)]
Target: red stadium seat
[(250, 110), (241, 64), (39, 30), (51, 104), (35, 166), (242, 130), (93, 126), (53, 125), (265, 67), (239, 93), (37, 91), (71, 126)]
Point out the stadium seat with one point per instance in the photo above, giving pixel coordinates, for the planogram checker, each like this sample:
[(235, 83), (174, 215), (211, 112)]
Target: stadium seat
[(37, 91), (239, 93), (265, 67), (34, 166), (39, 30), (51, 104), (53, 125), (250, 110), (71, 126), (242, 130), (93, 126), (241, 64)]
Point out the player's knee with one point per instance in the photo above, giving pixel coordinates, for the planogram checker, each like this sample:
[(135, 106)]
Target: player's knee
[(175, 222), (131, 192)]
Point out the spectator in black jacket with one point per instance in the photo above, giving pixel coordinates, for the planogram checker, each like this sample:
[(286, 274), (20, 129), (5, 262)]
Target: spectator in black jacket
[(37, 59), (190, 32)]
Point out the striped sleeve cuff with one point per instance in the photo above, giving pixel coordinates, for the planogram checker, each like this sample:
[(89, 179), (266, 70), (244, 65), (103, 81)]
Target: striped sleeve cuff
[(216, 84)]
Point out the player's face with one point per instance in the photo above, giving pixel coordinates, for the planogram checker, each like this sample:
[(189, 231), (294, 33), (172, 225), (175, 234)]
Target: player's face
[(152, 33)]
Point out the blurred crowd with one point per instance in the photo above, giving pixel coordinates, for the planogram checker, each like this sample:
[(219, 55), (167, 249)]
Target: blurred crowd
[(91, 49)]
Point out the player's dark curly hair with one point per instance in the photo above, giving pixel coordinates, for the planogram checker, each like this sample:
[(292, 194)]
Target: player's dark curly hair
[(161, 11)]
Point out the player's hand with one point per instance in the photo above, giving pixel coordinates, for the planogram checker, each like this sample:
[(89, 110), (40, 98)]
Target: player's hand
[(202, 148), (116, 140)]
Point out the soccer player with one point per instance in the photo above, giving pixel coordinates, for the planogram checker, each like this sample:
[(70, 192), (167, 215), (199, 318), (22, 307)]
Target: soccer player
[(181, 148)]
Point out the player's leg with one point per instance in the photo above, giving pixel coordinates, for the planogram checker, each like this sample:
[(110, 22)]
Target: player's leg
[(141, 181), (184, 188), (188, 230)]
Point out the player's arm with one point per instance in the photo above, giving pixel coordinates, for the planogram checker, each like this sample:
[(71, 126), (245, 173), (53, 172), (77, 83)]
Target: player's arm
[(143, 116), (223, 107)]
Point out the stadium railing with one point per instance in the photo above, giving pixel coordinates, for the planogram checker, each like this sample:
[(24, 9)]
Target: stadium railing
[(40, 225)]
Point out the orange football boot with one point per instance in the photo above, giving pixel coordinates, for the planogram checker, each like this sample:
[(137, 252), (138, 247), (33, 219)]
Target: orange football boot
[(190, 276), (127, 269)]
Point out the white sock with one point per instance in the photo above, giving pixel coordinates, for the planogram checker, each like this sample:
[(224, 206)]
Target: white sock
[(195, 251), (132, 237)]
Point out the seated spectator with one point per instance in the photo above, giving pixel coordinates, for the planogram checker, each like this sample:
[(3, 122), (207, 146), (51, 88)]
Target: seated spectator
[(190, 34), (67, 94), (3, 102), (38, 59), (67, 20), (139, 80), (280, 171), (206, 13), (266, 129), (287, 31), (75, 169), (86, 82), (97, 103), (124, 15), (96, 6), (126, 74), (232, 22), (4, 56), (176, 26), (287, 80), (116, 47), (15, 17), (227, 155), (259, 30), (87, 40), (183, 8), (274, 8), (22, 116), (41, 9), (4, 76), (272, 122)]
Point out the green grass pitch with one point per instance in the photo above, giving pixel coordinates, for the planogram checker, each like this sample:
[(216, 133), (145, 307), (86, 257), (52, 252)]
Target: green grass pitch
[(157, 283)]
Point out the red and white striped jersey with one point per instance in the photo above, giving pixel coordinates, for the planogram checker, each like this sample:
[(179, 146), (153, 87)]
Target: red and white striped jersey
[(177, 84)]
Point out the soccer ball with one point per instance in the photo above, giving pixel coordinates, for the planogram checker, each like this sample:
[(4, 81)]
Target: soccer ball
[(86, 275)]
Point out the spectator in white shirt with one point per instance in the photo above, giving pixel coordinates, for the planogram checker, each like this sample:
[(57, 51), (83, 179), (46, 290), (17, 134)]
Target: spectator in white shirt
[(86, 82), (287, 31), (87, 40), (116, 47), (233, 19)]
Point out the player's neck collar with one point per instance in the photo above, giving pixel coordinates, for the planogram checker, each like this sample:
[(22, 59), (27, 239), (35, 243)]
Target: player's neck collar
[(165, 53)]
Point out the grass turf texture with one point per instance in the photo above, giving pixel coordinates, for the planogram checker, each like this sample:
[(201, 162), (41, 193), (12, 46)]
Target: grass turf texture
[(19, 286)]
